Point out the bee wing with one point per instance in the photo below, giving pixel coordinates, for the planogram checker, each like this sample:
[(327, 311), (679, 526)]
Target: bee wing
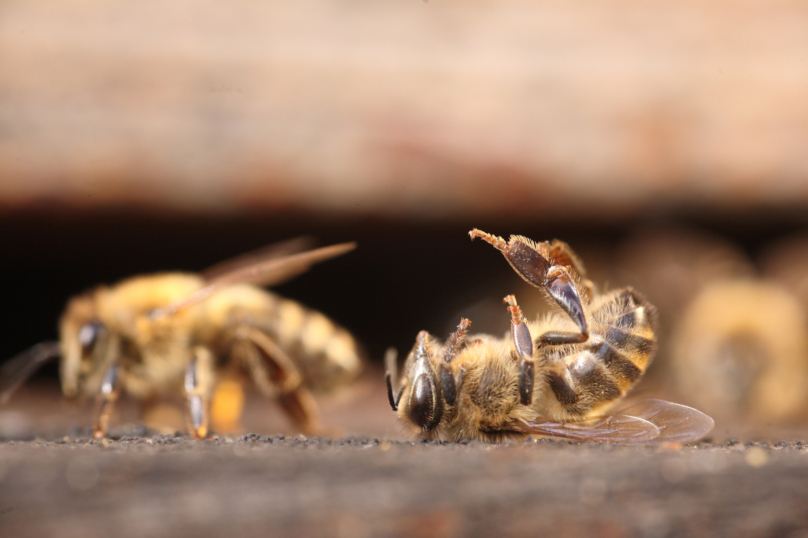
[(263, 254), (261, 272), (653, 422), (17, 370), (677, 423), (610, 429)]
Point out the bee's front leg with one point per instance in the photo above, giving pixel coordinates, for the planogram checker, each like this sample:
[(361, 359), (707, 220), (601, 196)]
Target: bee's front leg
[(450, 384), (104, 402), (198, 382)]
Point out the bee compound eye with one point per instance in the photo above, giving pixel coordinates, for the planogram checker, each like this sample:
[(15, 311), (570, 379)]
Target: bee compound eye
[(88, 336), (425, 410)]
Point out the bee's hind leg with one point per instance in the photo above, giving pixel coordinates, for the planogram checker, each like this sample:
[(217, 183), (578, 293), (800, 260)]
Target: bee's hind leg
[(104, 401), (277, 377), (561, 254), (198, 383), (561, 287), (524, 348), (554, 268)]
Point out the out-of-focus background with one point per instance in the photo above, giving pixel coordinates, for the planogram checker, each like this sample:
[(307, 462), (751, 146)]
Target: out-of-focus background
[(667, 142)]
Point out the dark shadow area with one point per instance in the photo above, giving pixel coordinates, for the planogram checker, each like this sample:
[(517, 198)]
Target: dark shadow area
[(404, 277)]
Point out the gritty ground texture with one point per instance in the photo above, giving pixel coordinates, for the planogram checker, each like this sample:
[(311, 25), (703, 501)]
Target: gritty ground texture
[(250, 485)]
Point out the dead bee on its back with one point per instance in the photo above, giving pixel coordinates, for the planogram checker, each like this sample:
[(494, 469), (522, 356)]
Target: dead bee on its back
[(555, 377), (153, 335)]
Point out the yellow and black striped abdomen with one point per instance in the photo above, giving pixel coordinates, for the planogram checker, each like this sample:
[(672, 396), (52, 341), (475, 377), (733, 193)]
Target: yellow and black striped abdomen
[(325, 354), (601, 370), (624, 335)]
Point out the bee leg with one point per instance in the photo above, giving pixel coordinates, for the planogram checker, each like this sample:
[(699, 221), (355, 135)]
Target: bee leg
[(449, 384), (104, 402), (277, 377), (552, 267), (561, 287), (524, 348), (561, 254), (527, 258), (198, 382), (562, 383)]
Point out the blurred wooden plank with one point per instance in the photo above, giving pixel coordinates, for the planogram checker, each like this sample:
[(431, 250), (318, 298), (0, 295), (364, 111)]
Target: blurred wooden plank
[(407, 108)]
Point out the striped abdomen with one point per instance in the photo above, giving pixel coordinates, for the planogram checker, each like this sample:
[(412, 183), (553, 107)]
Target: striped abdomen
[(621, 344), (626, 323), (325, 354)]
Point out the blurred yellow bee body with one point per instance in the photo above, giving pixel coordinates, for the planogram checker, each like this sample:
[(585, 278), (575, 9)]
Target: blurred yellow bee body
[(740, 351), (155, 335)]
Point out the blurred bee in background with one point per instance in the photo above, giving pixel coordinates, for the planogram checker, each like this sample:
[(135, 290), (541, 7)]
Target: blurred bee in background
[(786, 262), (554, 377), (740, 351), (169, 333), (735, 344)]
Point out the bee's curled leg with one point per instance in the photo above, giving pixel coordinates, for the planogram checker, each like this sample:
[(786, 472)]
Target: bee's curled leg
[(561, 287), (561, 254), (198, 383), (552, 267), (104, 402), (524, 348), (277, 377)]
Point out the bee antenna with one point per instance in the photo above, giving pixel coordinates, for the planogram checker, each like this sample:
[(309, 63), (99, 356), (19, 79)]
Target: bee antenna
[(390, 395), (390, 358), (23, 366)]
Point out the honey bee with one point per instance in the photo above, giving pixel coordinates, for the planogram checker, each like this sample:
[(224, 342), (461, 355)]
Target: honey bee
[(554, 377), (151, 336), (740, 352)]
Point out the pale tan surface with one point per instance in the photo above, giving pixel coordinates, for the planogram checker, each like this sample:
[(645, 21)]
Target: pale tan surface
[(361, 107)]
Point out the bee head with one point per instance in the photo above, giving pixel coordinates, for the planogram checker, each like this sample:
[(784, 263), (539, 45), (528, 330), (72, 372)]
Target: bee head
[(424, 406), (84, 341)]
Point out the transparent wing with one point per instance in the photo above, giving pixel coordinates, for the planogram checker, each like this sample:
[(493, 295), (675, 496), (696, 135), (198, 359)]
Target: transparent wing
[(677, 423), (611, 429), (17, 370), (262, 272), (263, 254), (651, 422)]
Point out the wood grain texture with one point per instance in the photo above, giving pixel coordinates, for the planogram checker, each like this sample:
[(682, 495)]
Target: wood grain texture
[(409, 108)]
